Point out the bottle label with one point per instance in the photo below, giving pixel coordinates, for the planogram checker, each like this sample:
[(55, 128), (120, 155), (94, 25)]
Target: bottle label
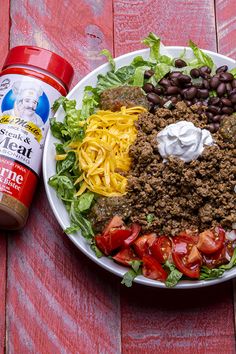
[(25, 109)]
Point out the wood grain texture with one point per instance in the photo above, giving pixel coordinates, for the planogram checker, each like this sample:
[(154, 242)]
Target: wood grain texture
[(172, 321), (175, 21), (77, 30), (4, 30), (59, 301), (4, 45), (226, 27)]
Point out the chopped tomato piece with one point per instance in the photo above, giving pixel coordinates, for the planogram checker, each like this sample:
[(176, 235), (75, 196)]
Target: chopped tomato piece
[(135, 230), (211, 241), (194, 255), (125, 256), (143, 243), (115, 223), (183, 246), (152, 269), (111, 240), (161, 248)]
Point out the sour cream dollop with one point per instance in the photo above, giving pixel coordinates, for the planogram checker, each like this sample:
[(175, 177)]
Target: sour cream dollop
[(183, 140)]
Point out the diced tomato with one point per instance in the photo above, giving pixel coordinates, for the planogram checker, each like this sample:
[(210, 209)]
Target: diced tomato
[(111, 240), (182, 249), (143, 243), (125, 256), (115, 223), (152, 269), (161, 249), (135, 230), (211, 241)]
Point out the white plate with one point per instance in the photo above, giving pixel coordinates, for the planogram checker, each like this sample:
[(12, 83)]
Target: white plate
[(49, 170)]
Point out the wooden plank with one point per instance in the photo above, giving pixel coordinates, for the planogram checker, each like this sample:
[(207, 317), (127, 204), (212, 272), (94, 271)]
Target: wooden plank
[(169, 321), (76, 31), (226, 36), (4, 30), (172, 321), (175, 21), (4, 45), (226, 27), (58, 300)]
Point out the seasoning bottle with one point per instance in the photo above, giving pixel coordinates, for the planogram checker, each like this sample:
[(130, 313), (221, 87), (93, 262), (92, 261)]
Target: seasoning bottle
[(32, 78)]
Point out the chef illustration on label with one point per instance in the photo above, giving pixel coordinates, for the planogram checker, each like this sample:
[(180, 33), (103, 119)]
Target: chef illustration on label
[(27, 96)]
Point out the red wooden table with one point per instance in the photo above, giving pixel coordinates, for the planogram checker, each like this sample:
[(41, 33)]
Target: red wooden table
[(52, 298)]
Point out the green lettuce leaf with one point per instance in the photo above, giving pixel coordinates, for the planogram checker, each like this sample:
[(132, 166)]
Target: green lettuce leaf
[(79, 222), (202, 58), (129, 276), (67, 164), (233, 72), (109, 57), (174, 276), (209, 274), (63, 186)]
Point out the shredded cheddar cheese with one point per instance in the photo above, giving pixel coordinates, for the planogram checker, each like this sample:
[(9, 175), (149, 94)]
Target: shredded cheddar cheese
[(105, 151)]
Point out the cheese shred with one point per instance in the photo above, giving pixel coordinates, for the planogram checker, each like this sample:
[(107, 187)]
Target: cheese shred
[(104, 152)]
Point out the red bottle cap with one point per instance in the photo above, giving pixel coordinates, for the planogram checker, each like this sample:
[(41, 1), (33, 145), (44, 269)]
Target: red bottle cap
[(42, 59)]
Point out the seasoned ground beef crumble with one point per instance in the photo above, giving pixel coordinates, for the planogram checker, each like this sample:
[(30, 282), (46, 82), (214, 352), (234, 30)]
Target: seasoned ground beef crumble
[(174, 196)]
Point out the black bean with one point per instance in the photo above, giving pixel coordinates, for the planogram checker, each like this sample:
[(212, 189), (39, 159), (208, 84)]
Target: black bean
[(233, 91), (234, 108), (227, 110), (226, 77), (232, 98), (188, 103), (221, 89), (153, 97), (206, 84), (214, 101), (174, 100), (205, 69), (213, 109), (184, 79), (158, 90), (148, 73), (233, 83), (214, 82), (179, 63), (211, 128), (222, 69), (190, 93), (183, 91), (202, 93), (164, 82), (172, 90), (226, 102), (174, 81), (195, 73), (148, 87), (209, 116), (228, 87), (174, 74), (216, 119), (216, 126)]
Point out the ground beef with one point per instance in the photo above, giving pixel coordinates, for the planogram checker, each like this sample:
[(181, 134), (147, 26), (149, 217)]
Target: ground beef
[(175, 196), (128, 96), (105, 208)]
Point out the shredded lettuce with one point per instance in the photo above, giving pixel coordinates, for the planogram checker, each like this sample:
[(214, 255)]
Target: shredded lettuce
[(174, 276), (109, 57), (202, 58)]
